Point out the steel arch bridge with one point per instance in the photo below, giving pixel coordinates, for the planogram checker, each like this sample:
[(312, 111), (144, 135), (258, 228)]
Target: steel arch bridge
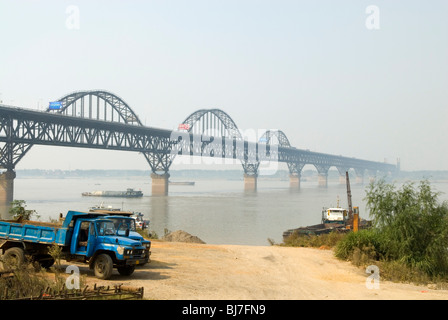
[(102, 120)]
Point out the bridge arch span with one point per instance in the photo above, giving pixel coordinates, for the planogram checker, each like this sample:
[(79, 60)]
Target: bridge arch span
[(105, 106), (98, 105), (295, 168), (213, 122), (281, 138), (217, 123)]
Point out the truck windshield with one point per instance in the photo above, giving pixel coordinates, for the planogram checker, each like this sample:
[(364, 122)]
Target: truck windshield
[(106, 228), (123, 224)]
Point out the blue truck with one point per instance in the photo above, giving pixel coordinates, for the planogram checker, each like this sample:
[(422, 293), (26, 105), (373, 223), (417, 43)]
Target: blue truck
[(85, 237), (126, 220)]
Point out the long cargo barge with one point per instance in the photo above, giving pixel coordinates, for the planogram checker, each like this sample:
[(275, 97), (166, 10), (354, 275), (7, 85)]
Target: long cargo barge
[(182, 183), (129, 193)]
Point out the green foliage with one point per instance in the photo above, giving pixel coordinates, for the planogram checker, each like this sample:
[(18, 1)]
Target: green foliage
[(18, 211), (316, 241), (55, 251), (411, 226), (366, 241)]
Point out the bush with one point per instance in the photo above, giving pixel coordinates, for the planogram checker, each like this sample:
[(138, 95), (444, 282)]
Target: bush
[(360, 245)]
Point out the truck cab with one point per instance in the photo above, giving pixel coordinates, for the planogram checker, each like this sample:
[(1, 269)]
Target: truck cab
[(98, 241), (126, 227), (127, 220)]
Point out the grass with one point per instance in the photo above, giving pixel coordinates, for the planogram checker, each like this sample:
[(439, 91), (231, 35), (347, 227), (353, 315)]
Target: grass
[(25, 281)]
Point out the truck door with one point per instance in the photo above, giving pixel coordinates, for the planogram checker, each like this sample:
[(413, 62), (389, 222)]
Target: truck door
[(83, 238), (91, 241)]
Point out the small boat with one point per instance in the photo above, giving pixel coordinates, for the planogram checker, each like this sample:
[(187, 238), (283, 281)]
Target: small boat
[(140, 222), (129, 193)]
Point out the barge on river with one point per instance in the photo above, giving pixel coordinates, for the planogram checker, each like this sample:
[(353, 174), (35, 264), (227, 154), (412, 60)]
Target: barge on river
[(128, 193), (181, 183), (333, 219)]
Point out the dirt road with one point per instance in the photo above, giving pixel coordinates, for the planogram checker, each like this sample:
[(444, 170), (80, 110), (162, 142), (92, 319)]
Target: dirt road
[(232, 272)]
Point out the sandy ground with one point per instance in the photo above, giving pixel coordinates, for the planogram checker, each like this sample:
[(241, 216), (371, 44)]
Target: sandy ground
[(180, 271)]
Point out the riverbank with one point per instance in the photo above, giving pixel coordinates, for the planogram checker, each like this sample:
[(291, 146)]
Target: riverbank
[(191, 271)]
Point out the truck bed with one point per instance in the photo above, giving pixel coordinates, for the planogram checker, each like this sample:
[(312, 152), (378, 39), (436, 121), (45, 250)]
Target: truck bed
[(33, 231)]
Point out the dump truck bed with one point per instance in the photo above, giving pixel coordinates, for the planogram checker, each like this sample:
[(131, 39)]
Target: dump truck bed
[(32, 231)]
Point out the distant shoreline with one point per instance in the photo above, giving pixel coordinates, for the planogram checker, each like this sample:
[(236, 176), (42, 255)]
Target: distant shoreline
[(433, 176)]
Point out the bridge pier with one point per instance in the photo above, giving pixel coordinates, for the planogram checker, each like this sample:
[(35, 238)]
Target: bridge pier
[(294, 181), (160, 184), (250, 182), (372, 175), (359, 179), (342, 174), (6, 191), (322, 175), (359, 176), (322, 179)]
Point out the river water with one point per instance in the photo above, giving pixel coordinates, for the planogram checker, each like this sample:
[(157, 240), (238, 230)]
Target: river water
[(217, 211)]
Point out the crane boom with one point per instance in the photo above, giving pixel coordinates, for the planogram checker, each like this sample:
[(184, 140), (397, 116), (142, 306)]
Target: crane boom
[(353, 213), (349, 196)]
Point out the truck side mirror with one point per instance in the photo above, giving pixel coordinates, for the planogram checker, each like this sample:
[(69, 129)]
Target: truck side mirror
[(127, 233)]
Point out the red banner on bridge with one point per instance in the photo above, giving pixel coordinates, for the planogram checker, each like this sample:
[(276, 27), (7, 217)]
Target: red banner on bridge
[(184, 126)]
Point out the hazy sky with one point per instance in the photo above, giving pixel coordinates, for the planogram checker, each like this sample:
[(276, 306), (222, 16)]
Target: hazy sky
[(312, 69)]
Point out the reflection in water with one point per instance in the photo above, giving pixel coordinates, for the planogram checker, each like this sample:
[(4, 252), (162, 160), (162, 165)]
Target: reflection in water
[(159, 213), (4, 212)]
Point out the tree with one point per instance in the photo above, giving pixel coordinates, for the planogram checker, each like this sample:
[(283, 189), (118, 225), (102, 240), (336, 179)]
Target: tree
[(412, 223), (19, 212)]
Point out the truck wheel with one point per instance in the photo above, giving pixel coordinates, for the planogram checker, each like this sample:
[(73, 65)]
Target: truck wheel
[(13, 258), (44, 260), (126, 270), (103, 266)]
